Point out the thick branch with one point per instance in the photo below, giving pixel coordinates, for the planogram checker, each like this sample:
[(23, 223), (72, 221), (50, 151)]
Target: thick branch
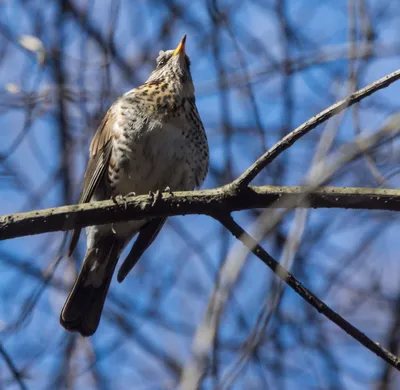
[(224, 199), (286, 142), (306, 294)]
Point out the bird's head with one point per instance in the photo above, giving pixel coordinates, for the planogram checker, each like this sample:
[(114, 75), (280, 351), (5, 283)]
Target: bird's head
[(173, 67)]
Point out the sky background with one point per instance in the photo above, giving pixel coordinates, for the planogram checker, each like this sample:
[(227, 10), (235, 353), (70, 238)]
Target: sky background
[(260, 68)]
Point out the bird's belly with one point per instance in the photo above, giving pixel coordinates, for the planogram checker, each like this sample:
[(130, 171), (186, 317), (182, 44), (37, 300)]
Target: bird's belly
[(157, 160), (152, 161)]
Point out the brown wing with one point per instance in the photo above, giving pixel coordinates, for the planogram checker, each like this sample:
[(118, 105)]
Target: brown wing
[(100, 153)]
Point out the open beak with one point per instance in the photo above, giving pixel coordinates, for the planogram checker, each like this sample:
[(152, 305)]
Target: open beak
[(181, 47)]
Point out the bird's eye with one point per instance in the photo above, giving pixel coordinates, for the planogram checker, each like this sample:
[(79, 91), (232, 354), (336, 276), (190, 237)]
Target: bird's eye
[(162, 62)]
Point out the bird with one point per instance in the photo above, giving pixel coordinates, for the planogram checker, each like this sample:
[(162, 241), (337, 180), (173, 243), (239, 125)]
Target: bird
[(151, 139)]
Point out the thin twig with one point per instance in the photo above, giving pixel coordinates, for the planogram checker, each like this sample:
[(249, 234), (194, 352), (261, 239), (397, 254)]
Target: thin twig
[(245, 179), (16, 373)]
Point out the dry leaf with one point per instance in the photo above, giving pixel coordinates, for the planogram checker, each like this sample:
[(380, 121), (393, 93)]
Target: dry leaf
[(12, 88), (34, 44)]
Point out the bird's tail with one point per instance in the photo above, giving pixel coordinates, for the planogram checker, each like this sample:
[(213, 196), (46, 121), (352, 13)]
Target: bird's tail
[(84, 305)]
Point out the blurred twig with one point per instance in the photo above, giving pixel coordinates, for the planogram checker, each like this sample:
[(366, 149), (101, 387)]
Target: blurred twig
[(15, 372)]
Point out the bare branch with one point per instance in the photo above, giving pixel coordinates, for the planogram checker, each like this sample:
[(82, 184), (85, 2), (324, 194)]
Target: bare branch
[(207, 202), (291, 281), (245, 179)]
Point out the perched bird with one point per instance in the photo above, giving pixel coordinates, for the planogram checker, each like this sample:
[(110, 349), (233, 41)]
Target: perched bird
[(151, 138)]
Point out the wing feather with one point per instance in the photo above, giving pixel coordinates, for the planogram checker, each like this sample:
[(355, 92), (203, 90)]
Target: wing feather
[(100, 154)]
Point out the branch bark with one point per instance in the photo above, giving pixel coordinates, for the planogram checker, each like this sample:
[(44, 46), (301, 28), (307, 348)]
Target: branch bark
[(208, 202)]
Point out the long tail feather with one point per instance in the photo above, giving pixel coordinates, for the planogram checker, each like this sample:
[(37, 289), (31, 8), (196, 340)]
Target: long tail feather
[(84, 305)]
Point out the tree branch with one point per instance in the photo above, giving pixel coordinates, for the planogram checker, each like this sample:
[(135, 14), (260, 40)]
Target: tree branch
[(286, 142), (306, 294), (208, 202)]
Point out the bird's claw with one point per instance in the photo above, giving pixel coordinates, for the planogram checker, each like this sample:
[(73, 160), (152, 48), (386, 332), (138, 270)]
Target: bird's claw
[(127, 196), (118, 199), (168, 190), (154, 196), (130, 194)]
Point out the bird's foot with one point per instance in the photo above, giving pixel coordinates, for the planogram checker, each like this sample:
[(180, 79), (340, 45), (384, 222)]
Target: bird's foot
[(126, 198), (117, 199), (168, 191), (130, 194), (154, 196)]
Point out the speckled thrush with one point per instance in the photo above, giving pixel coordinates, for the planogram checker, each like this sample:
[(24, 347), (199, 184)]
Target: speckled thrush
[(150, 139)]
